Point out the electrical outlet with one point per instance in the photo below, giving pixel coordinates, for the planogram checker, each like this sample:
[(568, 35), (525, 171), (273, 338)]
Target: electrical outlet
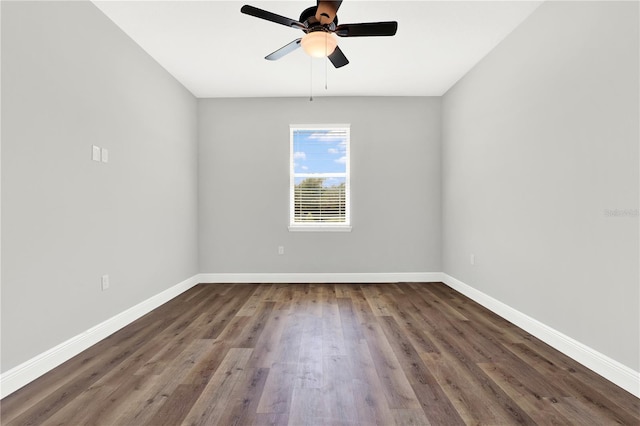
[(105, 282), (472, 259), (280, 250)]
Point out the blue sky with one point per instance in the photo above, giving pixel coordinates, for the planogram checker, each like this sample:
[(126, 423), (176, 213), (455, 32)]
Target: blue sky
[(319, 151)]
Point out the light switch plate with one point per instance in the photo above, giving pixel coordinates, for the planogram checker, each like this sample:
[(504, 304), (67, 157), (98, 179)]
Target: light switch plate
[(105, 282), (105, 155), (95, 153)]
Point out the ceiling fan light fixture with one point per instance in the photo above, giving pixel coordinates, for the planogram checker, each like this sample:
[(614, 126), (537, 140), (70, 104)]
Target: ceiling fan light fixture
[(319, 44)]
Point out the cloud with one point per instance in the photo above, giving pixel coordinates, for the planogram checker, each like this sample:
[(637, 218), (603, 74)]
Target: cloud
[(332, 151), (299, 155), (342, 160), (304, 168)]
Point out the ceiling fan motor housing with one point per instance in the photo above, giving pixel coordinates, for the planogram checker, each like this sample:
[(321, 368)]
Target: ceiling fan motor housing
[(308, 16)]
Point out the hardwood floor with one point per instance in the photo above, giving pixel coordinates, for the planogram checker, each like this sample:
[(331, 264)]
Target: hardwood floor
[(326, 354)]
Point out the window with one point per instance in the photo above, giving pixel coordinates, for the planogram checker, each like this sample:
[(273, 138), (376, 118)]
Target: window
[(319, 178)]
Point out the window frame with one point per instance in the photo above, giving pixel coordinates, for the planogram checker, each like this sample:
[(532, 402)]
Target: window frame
[(319, 226)]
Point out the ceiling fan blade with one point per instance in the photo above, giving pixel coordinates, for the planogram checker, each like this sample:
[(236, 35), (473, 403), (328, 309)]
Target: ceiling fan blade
[(284, 50), (369, 29), (269, 16), (337, 58), (327, 10)]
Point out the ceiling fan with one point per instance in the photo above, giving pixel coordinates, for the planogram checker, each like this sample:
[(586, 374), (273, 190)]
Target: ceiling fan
[(320, 23)]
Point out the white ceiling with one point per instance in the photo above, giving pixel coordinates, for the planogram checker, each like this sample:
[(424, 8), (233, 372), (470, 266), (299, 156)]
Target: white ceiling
[(215, 51)]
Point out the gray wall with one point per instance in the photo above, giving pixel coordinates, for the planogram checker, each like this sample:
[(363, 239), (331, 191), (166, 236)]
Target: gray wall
[(540, 143), (71, 79), (244, 186)]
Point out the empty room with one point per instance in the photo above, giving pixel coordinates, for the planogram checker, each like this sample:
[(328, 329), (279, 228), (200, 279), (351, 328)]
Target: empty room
[(320, 212)]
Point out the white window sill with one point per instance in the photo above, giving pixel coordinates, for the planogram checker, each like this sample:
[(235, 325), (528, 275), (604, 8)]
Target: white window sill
[(303, 228)]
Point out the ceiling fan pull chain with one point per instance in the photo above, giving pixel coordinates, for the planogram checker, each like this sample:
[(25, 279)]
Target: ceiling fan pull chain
[(326, 64), (311, 79), (326, 73)]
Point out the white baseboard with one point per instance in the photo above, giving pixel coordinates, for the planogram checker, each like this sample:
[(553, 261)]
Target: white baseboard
[(304, 277), (17, 377), (608, 368)]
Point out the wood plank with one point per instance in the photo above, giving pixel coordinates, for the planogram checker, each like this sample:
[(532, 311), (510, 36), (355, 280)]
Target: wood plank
[(213, 400), (332, 338), (361, 307), (288, 348), (308, 407), (250, 306), (245, 397), (409, 417), (276, 396), (494, 402), (268, 345), (248, 335), (376, 299), (433, 400), (579, 413), (150, 397), (369, 397), (396, 386), (337, 391), (223, 311), (177, 405), (351, 326), (310, 354), (342, 290), (529, 393), (205, 368), (272, 419), (285, 298), (310, 301), (465, 392), (428, 293)]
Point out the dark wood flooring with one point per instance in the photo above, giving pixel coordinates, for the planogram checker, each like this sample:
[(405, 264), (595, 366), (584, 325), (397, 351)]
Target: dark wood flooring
[(325, 354)]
